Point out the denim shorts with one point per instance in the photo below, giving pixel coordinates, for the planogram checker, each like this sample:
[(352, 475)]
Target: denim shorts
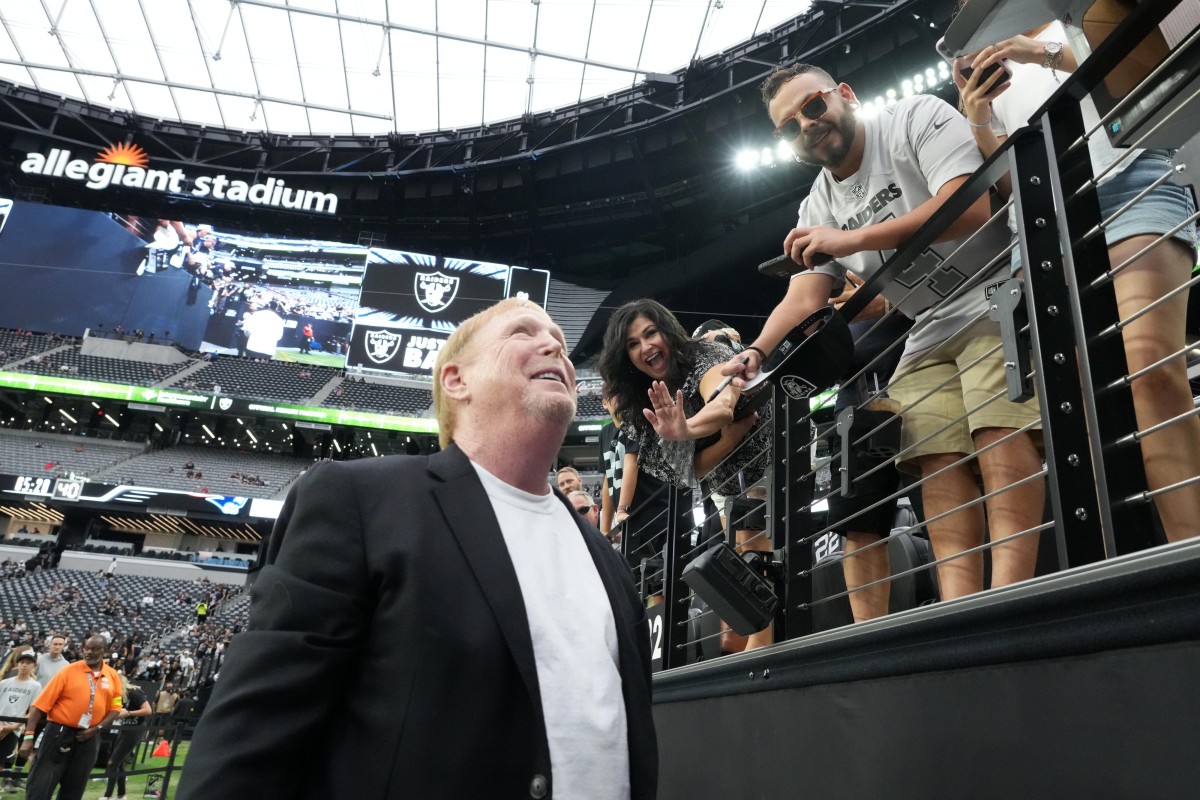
[(1157, 213)]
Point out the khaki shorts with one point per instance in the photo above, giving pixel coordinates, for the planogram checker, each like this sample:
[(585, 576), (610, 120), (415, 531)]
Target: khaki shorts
[(927, 428)]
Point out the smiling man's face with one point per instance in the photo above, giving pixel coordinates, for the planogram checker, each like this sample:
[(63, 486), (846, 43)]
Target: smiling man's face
[(823, 142)]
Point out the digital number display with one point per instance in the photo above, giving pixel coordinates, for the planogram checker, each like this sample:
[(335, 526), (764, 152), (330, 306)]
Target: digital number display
[(27, 485), (68, 490)]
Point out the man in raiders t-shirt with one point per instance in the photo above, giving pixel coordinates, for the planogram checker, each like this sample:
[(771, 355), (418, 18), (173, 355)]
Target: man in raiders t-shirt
[(882, 179)]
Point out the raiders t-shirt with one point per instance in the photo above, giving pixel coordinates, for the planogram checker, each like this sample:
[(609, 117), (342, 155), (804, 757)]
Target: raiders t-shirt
[(16, 696), (912, 149)]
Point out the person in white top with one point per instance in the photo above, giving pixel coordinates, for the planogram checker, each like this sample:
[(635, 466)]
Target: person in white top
[(16, 695), (882, 179), (1038, 60), (263, 329), (492, 643)]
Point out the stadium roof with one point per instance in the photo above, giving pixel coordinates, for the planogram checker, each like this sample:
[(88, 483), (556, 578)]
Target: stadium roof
[(361, 66)]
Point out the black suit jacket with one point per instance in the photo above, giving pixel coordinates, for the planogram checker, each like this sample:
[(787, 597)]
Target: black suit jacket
[(388, 653)]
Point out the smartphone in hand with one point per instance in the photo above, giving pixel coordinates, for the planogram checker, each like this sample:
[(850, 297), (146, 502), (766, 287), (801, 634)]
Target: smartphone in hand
[(966, 70)]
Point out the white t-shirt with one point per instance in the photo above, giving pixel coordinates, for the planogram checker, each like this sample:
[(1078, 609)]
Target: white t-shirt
[(264, 329), (912, 149), (574, 642), (1031, 88)]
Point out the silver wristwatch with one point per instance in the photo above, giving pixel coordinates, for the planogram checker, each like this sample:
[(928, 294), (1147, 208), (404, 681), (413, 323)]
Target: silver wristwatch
[(1052, 58)]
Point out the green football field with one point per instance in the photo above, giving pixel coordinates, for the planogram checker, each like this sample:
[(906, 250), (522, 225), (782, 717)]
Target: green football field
[(135, 785), (317, 359)]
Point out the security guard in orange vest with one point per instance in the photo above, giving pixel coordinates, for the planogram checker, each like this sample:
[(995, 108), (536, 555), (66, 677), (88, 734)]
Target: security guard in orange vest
[(80, 701)]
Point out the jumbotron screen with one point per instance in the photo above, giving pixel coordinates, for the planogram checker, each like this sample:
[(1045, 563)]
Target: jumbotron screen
[(412, 302), (233, 293)]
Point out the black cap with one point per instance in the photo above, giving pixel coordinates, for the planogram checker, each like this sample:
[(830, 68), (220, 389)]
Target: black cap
[(28, 655)]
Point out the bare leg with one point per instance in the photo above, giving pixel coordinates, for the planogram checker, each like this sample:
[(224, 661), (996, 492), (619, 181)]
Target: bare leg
[(957, 532), (866, 567), (1172, 454), (1015, 510)]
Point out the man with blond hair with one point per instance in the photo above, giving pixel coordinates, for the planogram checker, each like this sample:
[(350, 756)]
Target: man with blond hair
[(441, 626)]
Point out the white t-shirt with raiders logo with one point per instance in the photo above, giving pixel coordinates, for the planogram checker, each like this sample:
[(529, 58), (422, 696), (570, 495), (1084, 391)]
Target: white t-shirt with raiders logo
[(17, 695), (912, 149)]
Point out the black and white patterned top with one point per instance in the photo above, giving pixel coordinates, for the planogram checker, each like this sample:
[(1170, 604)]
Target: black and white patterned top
[(674, 461)]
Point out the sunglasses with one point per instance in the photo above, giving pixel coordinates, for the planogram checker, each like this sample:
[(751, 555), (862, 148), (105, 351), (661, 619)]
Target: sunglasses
[(583, 512), (813, 108)]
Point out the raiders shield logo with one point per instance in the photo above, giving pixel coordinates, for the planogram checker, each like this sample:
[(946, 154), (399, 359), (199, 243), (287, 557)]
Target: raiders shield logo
[(225, 403), (435, 291), (382, 345), (796, 387)]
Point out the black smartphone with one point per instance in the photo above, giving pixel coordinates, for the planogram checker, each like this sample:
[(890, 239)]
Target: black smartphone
[(784, 267), (967, 72)]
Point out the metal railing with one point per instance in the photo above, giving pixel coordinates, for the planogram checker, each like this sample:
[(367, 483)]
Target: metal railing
[(1071, 340)]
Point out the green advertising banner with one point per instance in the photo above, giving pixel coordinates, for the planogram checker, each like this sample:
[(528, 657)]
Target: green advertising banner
[(218, 403)]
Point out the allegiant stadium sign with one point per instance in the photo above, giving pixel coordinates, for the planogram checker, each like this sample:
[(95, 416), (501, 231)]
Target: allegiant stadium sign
[(126, 165)]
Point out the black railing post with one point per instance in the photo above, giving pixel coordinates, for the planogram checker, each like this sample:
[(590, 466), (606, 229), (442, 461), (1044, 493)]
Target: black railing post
[(680, 524), (792, 485), (1060, 264)]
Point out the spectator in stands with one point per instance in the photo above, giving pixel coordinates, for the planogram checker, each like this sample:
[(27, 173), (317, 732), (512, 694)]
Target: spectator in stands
[(128, 730), (624, 489), (1153, 310), (907, 163), (52, 662), (569, 480), (493, 561), (584, 506), (72, 701), (16, 695), (658, 374)]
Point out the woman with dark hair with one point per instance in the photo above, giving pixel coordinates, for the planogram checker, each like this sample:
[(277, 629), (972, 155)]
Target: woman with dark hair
[(659, 381), (648, 361)]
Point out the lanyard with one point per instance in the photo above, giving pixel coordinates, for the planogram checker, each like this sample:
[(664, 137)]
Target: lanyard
[(92, 695)]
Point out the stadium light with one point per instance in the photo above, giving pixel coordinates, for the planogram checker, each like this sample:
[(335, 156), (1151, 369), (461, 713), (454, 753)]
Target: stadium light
[(68, 416), (160, 427), (746, 160), (250, 433), (209, 432), (337, 446)]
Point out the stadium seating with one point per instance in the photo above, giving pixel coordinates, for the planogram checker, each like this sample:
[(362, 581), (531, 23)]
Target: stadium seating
[(590, 407), (380, 397), (29, 453), (20, 598), (71, 363), (265, 380), (165, 469), (15, 346)]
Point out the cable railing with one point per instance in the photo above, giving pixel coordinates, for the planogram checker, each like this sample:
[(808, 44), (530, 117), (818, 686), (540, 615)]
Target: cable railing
[(1083, 437)]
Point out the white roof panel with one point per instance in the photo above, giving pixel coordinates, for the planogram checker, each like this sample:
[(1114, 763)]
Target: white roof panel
[(361, 66)]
